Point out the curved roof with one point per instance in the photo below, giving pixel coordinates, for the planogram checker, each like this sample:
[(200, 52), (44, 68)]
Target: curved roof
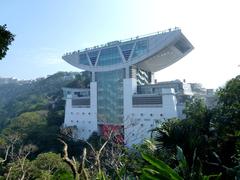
[(151, 52)]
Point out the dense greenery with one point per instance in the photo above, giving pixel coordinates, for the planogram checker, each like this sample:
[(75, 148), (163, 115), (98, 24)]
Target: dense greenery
[(6, 38), (205, 145), (34, 110), (30, 96)]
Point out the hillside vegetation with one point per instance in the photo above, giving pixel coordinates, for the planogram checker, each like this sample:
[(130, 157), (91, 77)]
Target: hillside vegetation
[(29, 96), (33, 145)]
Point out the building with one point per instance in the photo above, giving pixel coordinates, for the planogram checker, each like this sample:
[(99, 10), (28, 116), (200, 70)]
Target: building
[(122, 94)]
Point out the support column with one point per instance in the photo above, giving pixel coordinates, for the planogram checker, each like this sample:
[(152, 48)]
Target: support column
[(93, 77), (127, 72), (169, 102)]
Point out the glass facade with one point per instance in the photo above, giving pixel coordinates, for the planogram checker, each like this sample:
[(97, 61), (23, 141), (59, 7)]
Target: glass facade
[(83, 59), (140, 48), (110, 96), (126, 50), (93, 56), (109, 56)]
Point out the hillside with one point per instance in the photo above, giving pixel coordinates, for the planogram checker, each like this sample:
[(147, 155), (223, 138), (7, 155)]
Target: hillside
[(28, 96)]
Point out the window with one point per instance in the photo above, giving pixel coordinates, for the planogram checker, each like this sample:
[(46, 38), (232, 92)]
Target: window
[(109, 56), (182, 46), (126, 50), (140, 48), (110, 95), (83, 59), (93, 56)]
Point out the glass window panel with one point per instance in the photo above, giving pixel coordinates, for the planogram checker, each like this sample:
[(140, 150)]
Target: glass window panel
[(140, 48), (126, 50), (93, 56), (110, 96), (109, 56), (83, 59)]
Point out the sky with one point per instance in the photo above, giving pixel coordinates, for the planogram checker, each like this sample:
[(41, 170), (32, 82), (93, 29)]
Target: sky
[(47, 29)]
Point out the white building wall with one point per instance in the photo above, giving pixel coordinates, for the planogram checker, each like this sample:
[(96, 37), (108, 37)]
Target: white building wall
[(138, 121), (169, 102), (85, 119)]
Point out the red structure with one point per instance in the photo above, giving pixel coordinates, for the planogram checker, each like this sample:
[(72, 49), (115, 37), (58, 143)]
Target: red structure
[(116, 130)]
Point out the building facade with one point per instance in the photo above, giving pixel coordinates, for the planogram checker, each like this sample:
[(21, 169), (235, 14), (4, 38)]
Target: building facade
[(122, 94)]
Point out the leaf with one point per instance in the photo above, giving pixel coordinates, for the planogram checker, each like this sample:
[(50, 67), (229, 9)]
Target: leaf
[(180, 157), (161, 167), (215, 177), (101, 176)]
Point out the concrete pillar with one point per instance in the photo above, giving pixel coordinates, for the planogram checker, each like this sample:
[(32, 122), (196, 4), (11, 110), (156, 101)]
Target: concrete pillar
[(129, 88), (93, 77), (169, 103), (68, 107)]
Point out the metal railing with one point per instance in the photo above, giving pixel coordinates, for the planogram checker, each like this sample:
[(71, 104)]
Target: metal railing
[(122, 41)]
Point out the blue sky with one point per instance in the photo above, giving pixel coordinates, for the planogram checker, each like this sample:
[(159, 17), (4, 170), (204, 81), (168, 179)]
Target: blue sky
[(46, 29)]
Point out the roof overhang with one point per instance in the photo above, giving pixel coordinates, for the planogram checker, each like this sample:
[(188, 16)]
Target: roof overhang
[(164, 51)]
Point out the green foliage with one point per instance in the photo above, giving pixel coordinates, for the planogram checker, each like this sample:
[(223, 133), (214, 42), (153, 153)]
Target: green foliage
[(193, 172), (45, 166), (27, 126), (158, 170), (41, 94), (228, 109), (62, 174), (209, 137), (21, 100), (6, 38), (20, 168), (205, 145), (81, 81), (49, 164), (227, 121)]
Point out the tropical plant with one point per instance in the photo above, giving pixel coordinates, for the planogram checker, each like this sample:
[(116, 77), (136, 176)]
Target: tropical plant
[(6, 38)]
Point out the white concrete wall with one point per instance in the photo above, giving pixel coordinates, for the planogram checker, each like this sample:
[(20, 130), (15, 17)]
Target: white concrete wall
[(138, 121), (169, 101), (85, 119)]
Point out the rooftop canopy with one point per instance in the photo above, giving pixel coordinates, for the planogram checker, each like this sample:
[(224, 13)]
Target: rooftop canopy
[(151, 52)]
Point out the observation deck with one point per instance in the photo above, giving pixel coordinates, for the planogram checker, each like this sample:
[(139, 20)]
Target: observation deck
[(151, 52)]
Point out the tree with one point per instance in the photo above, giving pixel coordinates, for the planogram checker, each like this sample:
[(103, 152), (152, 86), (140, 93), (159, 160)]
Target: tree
[(209, 137), (228, 109), (227, 120), (48, 164), (6, 38)]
